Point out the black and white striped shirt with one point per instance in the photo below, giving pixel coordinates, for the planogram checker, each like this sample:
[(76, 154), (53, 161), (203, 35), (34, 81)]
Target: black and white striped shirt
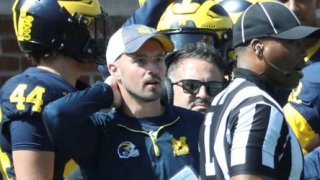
[(246, 133)]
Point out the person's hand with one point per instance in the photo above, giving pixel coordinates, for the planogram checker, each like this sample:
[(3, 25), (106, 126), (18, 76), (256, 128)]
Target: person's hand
[(111, 81)]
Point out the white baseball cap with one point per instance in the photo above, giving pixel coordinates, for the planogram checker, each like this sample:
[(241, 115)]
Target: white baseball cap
[(129, 39)]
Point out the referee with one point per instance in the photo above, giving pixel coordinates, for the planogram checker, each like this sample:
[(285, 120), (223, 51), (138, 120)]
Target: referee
[(245, 135)]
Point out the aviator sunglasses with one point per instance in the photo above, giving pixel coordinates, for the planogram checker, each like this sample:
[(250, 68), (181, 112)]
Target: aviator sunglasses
[(192, 86)]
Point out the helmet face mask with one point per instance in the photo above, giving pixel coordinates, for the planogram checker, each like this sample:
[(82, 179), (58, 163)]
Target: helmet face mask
[(181, 38), (47, 27), (86, 43), (187, 22), (96, 46)]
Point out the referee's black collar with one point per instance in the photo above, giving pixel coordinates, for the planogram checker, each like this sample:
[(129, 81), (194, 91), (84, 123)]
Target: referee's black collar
[(280, 95), (250, 76)]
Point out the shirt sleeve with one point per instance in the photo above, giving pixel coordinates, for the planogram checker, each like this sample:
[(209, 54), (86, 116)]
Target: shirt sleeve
[(22, 102), (29, 135), (255, 134), (299, 125), (312, 165), (68, 120)]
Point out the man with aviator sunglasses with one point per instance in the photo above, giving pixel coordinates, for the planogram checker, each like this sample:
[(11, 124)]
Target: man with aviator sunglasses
[(195, 75)]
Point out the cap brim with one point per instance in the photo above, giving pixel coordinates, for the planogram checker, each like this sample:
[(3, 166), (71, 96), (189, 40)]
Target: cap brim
[(166, 42), (298, 32), (137, 43)]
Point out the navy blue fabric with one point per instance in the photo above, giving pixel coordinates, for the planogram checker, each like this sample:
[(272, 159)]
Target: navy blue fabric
[(23, 129), (94, 139), (149, 14), (312, 165), (310, 96), (315, 57)]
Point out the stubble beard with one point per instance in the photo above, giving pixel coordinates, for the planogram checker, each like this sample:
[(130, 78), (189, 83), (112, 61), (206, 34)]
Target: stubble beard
[(145, 97)]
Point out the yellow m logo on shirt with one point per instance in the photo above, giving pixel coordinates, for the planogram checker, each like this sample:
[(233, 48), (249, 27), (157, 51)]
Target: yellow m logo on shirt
[(180, 147)]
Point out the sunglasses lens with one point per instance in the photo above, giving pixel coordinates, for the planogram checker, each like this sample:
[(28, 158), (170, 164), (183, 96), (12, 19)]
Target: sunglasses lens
[(214, 88), (192, 86)]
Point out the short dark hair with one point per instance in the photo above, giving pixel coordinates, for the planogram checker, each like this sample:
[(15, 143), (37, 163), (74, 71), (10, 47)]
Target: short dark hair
[(241, 48), (199, 50)]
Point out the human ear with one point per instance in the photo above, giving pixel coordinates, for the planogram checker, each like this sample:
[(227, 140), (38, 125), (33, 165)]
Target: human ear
[(257, 47), (114, 70)]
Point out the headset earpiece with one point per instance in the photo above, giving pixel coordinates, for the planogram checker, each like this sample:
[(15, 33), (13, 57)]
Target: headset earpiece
[(167, 93), (258, 47), (259, 51)]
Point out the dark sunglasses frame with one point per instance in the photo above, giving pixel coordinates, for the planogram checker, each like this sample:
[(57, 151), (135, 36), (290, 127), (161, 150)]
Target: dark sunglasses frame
[(192, 86)]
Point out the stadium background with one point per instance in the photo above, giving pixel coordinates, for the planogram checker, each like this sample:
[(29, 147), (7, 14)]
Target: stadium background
[(12, 60)]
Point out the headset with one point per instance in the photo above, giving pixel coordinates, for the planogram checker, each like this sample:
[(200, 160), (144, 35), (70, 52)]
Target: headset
[(186, 22), (167, 88), (172, 57), (260, 55), (167, 93)]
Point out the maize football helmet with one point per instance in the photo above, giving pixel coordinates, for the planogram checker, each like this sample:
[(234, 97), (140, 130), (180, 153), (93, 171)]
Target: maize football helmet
[(189, 22), (64, 26)]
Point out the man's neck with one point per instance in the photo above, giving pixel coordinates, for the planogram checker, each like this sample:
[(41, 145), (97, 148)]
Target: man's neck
[(139, 109), (68, 69)]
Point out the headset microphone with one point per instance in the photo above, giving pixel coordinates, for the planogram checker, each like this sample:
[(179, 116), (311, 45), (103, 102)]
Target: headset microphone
[(260, 55), (285, 73)]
